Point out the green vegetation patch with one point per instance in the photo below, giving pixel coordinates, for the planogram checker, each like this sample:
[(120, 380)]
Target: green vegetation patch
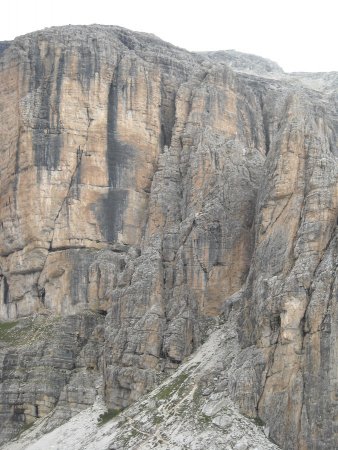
[(204, 419), (26, 426), (6, 331), (26, 331), (108, 415), (167, 391), (256, 420), (135, 433), (259, 422), (158, 419)]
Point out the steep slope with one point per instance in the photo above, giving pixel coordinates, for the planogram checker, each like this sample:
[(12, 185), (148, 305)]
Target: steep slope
[(144, 192), (191, 409)]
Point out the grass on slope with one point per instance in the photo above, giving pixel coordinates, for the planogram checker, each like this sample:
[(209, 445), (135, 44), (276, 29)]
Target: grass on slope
[(107, 416)]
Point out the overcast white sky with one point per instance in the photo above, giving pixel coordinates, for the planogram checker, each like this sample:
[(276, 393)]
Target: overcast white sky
[(300, 35)]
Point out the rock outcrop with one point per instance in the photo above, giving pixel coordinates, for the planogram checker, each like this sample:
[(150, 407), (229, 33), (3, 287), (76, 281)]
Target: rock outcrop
[(148, 193), (190, 409)]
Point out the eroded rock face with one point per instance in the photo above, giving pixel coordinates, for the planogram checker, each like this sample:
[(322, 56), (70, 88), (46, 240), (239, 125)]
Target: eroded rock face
[(152, 190)]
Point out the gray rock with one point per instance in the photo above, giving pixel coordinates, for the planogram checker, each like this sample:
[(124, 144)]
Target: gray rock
[(150, 196)]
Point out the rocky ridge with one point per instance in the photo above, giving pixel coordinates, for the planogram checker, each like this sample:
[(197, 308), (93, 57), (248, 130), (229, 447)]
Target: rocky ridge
[(145, 192)]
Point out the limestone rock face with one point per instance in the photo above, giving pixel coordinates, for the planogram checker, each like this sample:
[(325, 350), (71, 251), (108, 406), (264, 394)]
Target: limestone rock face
[(190, 409), (147, 192)]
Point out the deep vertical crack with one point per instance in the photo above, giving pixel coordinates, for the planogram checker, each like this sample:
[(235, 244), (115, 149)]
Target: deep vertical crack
[(79, 155)]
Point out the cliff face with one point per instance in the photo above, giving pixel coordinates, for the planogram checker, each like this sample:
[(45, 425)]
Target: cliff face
[(147, 192)]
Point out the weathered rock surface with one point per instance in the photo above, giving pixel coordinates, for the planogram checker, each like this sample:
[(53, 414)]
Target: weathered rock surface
[(191, 409), (144, 192)]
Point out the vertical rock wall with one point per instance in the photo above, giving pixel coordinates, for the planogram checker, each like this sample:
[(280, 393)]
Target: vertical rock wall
[(146, 190)]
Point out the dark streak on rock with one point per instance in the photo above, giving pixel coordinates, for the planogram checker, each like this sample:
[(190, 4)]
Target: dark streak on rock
[(4, 45), (82, 259), (47, 137), (119, 154), (119, 159), (88, 63), (6, 296), (110, 215)]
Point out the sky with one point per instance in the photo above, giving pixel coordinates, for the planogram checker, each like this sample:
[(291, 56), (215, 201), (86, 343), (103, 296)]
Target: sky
[(299, 35)]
